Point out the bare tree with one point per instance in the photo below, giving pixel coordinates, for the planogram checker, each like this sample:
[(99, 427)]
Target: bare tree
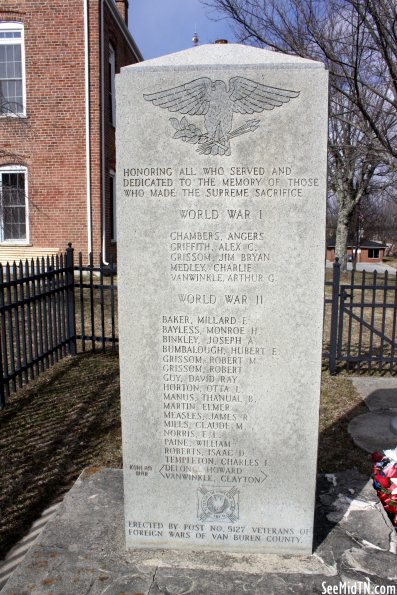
[(377, 217), (374, 71), (348, 37), (354, 172)]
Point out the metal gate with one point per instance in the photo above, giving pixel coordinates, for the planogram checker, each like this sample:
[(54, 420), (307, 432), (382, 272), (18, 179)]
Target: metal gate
[(363, 322)]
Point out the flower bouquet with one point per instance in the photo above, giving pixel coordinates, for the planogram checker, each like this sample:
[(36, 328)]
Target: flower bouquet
[(385, 481)]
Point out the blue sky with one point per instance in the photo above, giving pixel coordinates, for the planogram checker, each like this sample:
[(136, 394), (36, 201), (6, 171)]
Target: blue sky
[(164, 26)]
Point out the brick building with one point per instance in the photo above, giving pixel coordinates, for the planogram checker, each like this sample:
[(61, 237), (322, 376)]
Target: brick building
[(57, 124), (367, 251)]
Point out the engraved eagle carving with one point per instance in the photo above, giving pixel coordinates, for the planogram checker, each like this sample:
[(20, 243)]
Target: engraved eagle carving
[(218, 104)]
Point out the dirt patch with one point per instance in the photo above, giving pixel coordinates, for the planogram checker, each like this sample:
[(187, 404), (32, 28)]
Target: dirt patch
[(90, 471)]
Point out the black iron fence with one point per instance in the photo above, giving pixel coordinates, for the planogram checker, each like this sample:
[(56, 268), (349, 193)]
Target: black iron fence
[(96, 305), (50, 308), (54, 307), (36, 319), (360, 322)]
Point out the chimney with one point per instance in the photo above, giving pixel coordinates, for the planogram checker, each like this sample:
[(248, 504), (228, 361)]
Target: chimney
[(122, 6)]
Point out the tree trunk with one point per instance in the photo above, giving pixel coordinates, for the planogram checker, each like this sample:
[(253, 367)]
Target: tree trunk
[(342, 235), (342, 232)]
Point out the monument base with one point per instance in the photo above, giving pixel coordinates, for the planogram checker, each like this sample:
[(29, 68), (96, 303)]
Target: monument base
[(82, 549)]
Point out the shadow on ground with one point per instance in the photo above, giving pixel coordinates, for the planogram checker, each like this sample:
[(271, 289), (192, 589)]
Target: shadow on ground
[(70, 419), (65, 421)]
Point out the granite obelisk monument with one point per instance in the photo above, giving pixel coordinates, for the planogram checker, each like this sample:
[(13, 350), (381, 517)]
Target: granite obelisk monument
[(221, 189)]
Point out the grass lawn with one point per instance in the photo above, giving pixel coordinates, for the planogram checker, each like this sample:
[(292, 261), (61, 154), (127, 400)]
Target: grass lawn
[(391, 261), (69, 419)]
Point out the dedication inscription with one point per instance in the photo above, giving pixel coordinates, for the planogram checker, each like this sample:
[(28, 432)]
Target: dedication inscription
[(220, 256)]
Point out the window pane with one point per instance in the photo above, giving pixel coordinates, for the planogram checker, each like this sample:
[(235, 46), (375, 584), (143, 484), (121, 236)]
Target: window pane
[(13, 180), (6, 180), (10, 66), (13, 56), (12, 194), (9, 69), (12, 230), (18, 88), (18, 70), (9, 53), (11, 84), (10, 34), (7, 199), (21, 182), (13, 189)]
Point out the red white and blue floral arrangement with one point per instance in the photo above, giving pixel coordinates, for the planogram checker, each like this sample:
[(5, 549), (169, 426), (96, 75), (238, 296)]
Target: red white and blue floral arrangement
[(385, 481)]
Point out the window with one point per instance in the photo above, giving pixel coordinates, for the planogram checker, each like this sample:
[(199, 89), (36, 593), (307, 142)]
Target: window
[(13, 204), (112, 196), (12, 69), (112, 74), (373, 252)]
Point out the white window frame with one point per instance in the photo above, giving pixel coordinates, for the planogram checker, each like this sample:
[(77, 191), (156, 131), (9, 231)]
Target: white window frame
[(17, 27), (10, 169), (112, 86), (113, 230)]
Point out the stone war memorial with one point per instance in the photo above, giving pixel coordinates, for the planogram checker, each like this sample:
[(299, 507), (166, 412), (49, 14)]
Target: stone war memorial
[(221, 173), (221, 223)]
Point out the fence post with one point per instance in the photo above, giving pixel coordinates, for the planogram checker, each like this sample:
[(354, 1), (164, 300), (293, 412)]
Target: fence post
[(70, 305), (334, 316), (2, 386)]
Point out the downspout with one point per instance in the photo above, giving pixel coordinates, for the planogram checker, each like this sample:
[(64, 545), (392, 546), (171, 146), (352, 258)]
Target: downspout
[(87, 125), (103, 178)]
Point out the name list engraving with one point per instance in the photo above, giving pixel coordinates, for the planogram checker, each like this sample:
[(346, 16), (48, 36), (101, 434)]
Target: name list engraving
[(207, 360)]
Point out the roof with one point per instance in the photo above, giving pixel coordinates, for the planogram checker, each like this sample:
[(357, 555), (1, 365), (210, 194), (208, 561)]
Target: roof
[(364, 243)]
